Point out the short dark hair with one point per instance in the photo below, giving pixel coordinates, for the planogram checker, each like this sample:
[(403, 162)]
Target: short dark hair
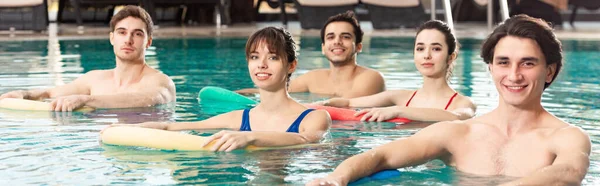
[(450, 39), (348, 17), (132, 11), (524, 26)]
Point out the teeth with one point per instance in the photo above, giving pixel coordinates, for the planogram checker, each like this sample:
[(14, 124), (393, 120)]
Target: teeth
[(338, 50), (262, 75), (515, 87)]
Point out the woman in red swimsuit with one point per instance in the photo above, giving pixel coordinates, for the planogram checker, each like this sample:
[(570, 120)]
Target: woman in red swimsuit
[(435, 51)]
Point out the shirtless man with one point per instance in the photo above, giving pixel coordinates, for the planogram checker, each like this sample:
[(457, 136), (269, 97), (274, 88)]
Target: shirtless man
[(132, 83), (519, 138), (341, 39)]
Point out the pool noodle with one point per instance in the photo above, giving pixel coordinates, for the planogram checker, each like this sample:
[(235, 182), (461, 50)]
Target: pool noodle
[(348, 114), (167, 140), (24, 104), (384, 174), (221, 94)]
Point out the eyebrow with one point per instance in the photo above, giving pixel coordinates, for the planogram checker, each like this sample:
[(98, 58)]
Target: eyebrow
[(343, 33), (522, 59), (421, 43), (137, 29)]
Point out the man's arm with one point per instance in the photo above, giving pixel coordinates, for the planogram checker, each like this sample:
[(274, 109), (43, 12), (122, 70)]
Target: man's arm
[(572, 147), (369, 83), (78, 86), (427, 144), (300, 84), (155, 89)]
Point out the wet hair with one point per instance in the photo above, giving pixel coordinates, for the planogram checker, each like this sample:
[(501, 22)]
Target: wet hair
[(347, 17), (450, 39), (277, 40), (523, 26), (135, 12)]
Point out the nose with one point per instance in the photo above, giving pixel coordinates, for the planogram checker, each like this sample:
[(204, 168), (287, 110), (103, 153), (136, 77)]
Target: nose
[(427, 55), (129, 39), (263, 64), (515, 74), (337, 41)]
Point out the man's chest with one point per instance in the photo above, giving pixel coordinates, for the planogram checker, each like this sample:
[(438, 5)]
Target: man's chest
[(492, 154)]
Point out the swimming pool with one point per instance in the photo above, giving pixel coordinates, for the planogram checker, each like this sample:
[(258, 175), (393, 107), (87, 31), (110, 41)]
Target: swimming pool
[(63, 149)]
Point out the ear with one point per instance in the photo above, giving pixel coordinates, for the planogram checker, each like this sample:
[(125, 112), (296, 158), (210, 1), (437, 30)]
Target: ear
[(490, 67), (292, 66), (451, 58), (110, 36), (149, 42), (359, 47), (323, 48), (551, 71)]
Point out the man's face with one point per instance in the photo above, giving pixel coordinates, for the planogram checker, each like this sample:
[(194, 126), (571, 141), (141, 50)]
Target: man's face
[(130, 39), (339, 44), (519, 70)]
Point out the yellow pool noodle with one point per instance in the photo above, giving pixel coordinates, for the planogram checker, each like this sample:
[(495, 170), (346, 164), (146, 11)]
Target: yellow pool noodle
[(166, 140), (155, 138), (24, 104)]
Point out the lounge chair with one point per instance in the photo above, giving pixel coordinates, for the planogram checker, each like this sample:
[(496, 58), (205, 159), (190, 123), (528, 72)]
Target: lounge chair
[(221, 5), (24, 15), (390, 14), (587, 4), (79, 8), (314, 13)]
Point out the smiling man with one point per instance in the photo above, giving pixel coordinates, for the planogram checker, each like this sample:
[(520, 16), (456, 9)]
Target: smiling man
[(132, 83), (519, 138), (341, 39)]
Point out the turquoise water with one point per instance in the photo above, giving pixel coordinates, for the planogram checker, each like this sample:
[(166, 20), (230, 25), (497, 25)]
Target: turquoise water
[(63, 149)]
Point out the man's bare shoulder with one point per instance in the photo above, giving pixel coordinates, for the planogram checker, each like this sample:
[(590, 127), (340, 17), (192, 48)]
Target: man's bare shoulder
[(156, 76), (314, 75), (563, 131), (364, 72), (95, 75)]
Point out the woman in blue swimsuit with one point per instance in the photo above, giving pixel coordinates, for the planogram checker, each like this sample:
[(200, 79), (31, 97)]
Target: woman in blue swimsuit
[(277, 120)]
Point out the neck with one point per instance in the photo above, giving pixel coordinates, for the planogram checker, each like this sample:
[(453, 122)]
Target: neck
[(127, 72), (516, 119), (342, 72), (274, 101), (437, 87)]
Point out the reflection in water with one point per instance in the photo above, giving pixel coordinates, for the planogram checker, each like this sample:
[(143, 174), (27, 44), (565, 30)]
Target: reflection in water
[(57, 148)]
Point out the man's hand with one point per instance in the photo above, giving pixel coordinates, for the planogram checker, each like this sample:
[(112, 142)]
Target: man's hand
[(19, 94), (69, 103)]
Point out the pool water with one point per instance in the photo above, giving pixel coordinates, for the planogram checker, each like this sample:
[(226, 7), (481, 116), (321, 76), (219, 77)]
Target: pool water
[(63, 148)]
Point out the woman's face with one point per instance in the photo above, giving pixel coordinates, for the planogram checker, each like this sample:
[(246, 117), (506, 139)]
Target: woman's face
[(431, 54), (268, 70)]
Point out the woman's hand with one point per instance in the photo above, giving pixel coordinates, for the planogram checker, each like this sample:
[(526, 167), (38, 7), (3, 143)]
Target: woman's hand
[(229, 140), (379, 114)]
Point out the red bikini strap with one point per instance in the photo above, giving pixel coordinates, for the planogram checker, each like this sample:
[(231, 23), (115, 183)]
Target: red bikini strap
[(411, 98), (449, 102)]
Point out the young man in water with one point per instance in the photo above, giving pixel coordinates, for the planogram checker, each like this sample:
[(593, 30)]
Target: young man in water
[(519, 138), (341, 39), (132, 83)]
